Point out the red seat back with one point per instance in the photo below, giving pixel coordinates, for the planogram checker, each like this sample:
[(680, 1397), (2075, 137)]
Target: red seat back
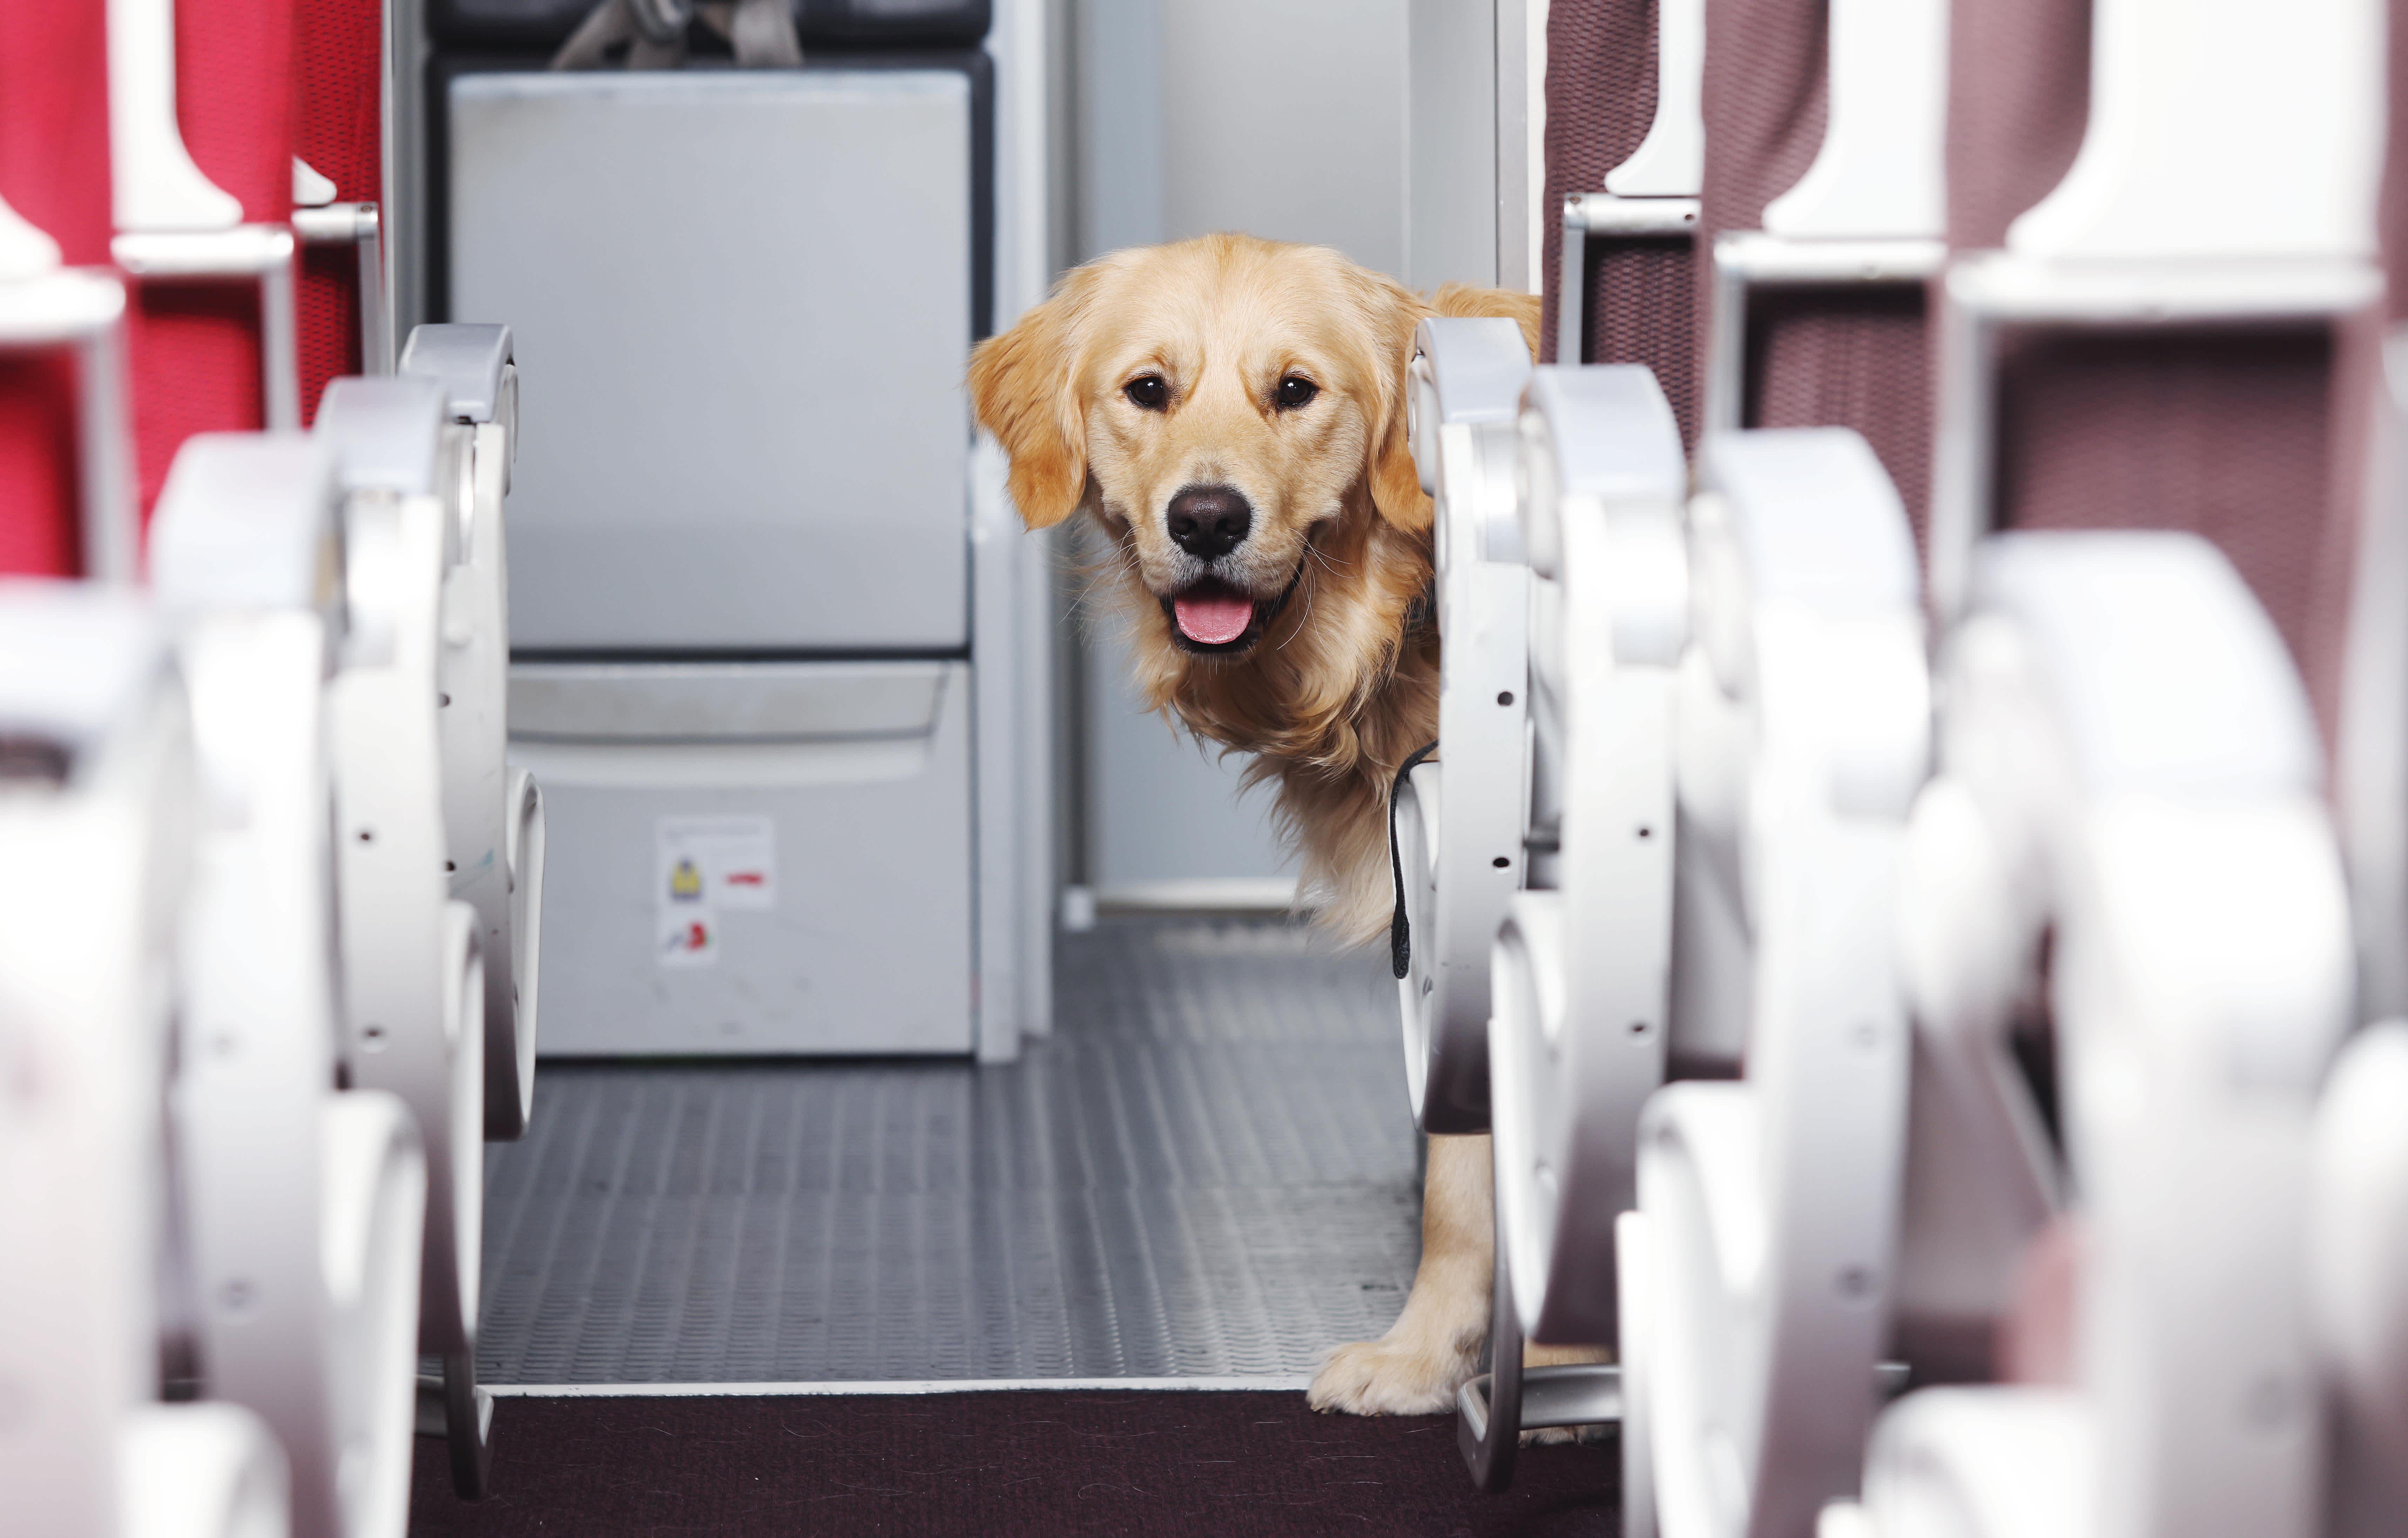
[(55, 173), (339, 47), (196, 346)]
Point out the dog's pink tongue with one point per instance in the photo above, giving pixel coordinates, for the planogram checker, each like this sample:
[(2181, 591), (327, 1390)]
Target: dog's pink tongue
[(1213, 619)]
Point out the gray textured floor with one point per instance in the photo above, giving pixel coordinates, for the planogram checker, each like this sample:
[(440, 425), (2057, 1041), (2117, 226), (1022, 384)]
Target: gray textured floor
[(1208, 1170)]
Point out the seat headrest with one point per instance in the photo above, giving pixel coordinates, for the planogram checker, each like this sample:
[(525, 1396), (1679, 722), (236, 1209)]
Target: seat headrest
[(384, 432), (247, 521)]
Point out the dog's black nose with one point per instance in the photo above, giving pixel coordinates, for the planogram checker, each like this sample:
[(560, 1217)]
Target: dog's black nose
[(1209, 522)]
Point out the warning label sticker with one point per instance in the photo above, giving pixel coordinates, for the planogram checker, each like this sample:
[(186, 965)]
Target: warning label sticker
[(708, 865)]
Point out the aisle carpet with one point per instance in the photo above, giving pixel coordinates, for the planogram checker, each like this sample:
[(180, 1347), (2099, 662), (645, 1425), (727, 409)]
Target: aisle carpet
[(994, 1465), (1206, 1171)]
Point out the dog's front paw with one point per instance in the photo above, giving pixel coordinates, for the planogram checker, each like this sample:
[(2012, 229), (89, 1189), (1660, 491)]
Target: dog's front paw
[(1387, 1377)]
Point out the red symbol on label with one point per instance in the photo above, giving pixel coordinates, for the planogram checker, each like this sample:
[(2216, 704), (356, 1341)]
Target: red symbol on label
[(697, 937), (746, 878)]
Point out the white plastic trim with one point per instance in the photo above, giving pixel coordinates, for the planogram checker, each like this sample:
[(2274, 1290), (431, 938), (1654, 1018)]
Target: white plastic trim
[(25, 250), (1670, 161), (1635, 1265), (1879, 172), (1978, 1463), (310, 189), (2219, 128), (67, 305), (526, 857), (2009, 287), (200, 1471), (240, 251), (2370, 749), (1603, 213), (1768, 1205), (154, 185), (257, 1031), (375, 1187), (2200, 978), (473, 669), (1768, 258), (408, 1026), (2358, 1254), (87, 907)]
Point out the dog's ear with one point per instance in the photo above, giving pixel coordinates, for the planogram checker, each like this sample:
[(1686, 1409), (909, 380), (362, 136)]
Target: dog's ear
[(1025, 388), (1393, 312)]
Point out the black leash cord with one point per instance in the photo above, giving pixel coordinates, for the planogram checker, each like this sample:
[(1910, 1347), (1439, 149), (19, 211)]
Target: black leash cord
[(1400, 934)]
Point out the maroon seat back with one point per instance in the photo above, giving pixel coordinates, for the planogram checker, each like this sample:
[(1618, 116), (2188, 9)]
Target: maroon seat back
[(1600, 94), (2249, 436), (1855, 356)]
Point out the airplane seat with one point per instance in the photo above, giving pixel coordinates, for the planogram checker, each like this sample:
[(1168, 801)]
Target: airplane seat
[(2128, 764), (1622, 141), (1758, 1268), (99, 806), (413, 971), (1757, 1263), (265, 1161), (1625, 142), (1578, 1031), (305, 1202), (493, 811), (2359, 1233), (1802, 536), (345, 327), (1460, 856), (2142, 353)]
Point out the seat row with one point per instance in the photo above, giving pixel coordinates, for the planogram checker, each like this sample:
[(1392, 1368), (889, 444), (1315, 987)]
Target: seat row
[(272, 890), (1912, 876)]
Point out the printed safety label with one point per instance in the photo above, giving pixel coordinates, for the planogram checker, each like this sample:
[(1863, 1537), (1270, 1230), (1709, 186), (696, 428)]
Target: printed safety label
[(707, 867)]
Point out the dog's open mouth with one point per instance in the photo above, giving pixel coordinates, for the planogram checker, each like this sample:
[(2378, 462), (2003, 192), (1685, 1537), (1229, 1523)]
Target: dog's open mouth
[(1213, 616)]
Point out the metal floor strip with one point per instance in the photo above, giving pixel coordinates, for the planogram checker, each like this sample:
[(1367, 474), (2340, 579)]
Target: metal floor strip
[(1288, 1384), (1206, 1172)]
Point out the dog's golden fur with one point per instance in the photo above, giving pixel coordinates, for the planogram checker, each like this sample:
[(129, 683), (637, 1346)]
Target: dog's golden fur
[(1336, 683), (1337, 689)]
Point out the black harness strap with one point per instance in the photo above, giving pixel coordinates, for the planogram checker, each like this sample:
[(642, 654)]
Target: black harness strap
[(1400, 934)]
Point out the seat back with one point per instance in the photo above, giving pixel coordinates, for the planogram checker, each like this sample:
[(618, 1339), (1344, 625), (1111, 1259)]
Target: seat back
[(339, 50), (1822, 125), (93, 833), (2086, 389), (1620, 102), (201, 343), (2222, 416), (54, 180)]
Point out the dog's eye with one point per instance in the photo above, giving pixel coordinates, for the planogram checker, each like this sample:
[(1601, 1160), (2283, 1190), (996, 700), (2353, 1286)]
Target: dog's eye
[(1294, 391), (1148, 392)]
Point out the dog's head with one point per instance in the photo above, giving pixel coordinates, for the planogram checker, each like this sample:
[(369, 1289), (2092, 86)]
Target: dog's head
[(1213, 402)]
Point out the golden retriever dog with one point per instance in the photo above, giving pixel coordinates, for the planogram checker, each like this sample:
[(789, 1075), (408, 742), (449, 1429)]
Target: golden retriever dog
[(1231, 412)]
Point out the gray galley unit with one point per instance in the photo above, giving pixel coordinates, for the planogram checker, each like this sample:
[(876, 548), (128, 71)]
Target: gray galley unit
[(740, 553)]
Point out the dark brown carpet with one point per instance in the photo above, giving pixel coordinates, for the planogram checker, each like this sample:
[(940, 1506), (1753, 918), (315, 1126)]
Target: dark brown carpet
[(1210, 1465)]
